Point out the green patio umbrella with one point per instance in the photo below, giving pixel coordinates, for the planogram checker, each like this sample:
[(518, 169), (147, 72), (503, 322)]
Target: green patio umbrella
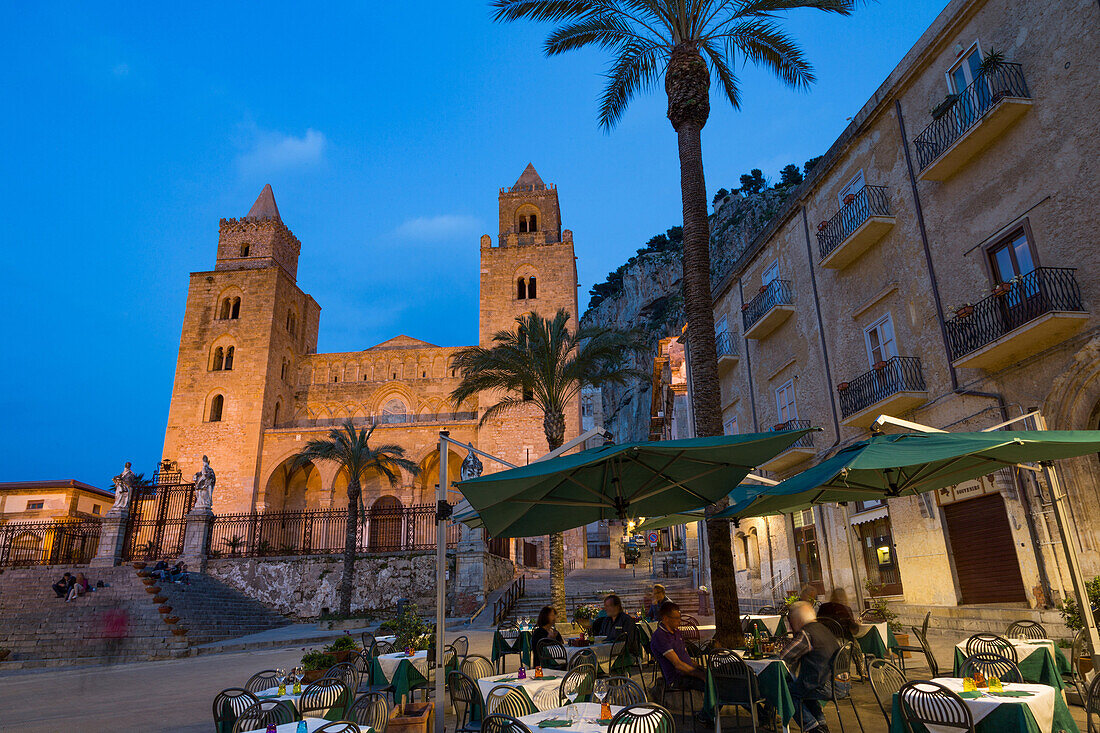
[(739, 498), (885, 466), (618, 482)]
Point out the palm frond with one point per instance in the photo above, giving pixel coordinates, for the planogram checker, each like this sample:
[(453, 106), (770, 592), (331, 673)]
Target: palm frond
[(540, 10), (727, 80), (636, 69), (605, 31), (766, 45)]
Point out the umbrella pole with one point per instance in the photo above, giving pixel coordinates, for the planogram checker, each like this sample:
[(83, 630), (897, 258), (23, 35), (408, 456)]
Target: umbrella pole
[(440, 582), (1057, 502)]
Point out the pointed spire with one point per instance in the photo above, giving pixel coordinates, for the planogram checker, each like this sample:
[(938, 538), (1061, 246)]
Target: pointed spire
[(529, 180), (265, 207)]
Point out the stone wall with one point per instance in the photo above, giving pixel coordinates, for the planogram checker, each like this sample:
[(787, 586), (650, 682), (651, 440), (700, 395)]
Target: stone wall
[(303, 586)]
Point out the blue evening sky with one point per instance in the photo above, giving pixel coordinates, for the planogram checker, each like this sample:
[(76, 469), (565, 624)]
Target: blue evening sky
[(385, 129)]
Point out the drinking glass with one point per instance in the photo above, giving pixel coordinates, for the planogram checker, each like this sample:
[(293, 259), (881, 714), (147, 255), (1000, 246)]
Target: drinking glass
[(968, 684), (995, 685), (571, 712)]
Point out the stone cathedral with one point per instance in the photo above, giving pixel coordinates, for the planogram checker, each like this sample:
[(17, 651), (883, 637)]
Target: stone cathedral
[(250, 388)]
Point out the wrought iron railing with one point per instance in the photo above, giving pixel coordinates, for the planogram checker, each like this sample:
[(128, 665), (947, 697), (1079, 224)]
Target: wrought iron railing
[(324, 532), (503, 605), (67, 542), (867, 202), (898, 374), (725, 345), (777, 292), (1041, 291), (1006, 80), (806, 441), (435, 417)]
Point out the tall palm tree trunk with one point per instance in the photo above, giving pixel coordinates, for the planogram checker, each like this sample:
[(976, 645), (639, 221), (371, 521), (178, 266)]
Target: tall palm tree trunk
[(687, 84), (351, 534), (554, 426)]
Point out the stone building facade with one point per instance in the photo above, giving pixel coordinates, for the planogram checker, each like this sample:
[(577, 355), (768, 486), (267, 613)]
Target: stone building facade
[(250, 388), (937, 264)]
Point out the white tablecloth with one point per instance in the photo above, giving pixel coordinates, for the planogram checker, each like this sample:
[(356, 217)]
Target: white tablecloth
[(312, 724), (389, 663), (883, 630), (758, 665), (272, 693), (771, 623), (544, 692), (1024, 648), (1041, 703), (387, 639), (603, 651), (590, 712)]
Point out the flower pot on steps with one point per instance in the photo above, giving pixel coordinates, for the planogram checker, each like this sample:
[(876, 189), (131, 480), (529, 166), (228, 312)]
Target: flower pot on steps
[(160, 599), (164, 609), (152, 589), (179, 631), (171, 619), (139, 566)]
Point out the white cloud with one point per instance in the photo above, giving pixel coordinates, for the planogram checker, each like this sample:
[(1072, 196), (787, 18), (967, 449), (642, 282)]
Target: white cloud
[(272, 152), (434, 228)]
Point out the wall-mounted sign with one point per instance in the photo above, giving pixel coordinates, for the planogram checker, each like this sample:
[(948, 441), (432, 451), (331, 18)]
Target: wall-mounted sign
[(653, 538), (966, 490)]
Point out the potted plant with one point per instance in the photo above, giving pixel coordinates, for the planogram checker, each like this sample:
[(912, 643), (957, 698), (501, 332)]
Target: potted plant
[(152, 589), (139, 566), (234, 543), (411, 630), (340, 648), (164, 609), (148, 580), (882, 609), (943, 107), (779, 426), (744, 307), (849, 199), (992, 62), (1002, 289), (763, 288), (411, 717), (878, 366), (583, 615), (964, 311), (822, 225), (171, 619), (179, 631), (316, 663), (843, 387)]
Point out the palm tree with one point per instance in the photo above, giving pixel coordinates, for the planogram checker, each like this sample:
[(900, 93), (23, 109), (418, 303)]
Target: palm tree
[(351, 450), (545, 364), (685, 42)]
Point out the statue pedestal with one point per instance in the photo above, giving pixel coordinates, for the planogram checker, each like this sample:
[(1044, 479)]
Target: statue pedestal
[(196, 538), (112, 536)]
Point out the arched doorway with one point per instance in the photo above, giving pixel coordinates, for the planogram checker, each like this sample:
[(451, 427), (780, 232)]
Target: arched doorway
[(293, 488), (385, 528)]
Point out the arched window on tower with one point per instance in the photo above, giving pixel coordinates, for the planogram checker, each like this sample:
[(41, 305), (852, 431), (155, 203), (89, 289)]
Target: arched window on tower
[(521, 289), (219, 360), (523, 225), (226, 310), (244, 250), (275, 418), (531, 293), (216, 405), (532, 223), (229, 359), (284, 370), (236, 310)]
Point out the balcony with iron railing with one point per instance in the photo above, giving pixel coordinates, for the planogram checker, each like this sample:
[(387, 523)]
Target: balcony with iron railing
[(801, 450), (864, 219), (764, 313), (892, 387), (1018, 319), (966, 123), (726, 347)]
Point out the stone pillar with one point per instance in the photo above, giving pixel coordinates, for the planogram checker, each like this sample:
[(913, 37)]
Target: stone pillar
[(469, 581), (196, 538), (112, 536)]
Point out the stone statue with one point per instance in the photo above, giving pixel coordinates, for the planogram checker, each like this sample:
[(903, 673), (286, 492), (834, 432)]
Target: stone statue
[(204, 486), (124, 486), (471, 465)]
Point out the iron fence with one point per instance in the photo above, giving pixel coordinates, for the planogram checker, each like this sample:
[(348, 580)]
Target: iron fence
[(806, 441), (66, 542), (725, 345), (158, 517), (868, 201), (777, 292), (967, 109), (898, 374), (324, 532), (365, 422), (1041, 291)]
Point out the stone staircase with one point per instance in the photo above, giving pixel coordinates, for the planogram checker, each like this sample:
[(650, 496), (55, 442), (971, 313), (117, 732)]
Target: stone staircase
[(43, 630)]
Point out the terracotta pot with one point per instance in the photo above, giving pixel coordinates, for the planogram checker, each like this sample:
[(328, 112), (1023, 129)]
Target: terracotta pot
[(822, 226), (763, 288), (745, 307), (842, 386), (148, 581), (152, 589), (170, 619), (903, 640), (312, 675), (1002, 289), (4, 654), (179, 631), (849, 199), (164, 609), (139, 565), (964, 312), (341, 656), (143, 573), (878, 366), (159, 599)]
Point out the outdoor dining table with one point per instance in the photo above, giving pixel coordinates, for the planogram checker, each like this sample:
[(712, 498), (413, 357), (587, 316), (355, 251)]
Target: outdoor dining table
[(1040, 709), (1039, 660), (772, 625), (647, 628), (602, 651), (558, 718), (542, 693), (522, 645), (312, 724), (876, 639), (400, 670), (773, 678), (291, 699)]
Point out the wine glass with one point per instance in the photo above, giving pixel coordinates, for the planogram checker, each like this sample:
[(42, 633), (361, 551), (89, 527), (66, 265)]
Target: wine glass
[(600, 691)]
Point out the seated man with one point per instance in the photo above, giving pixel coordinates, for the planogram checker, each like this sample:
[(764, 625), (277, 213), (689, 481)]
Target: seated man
[(809, 655), (668, 648), (659, 597), (62, 587), (616, 623), (837, 609)]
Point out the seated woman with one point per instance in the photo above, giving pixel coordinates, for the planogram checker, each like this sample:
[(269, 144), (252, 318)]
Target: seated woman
[(545, 627), (837, 609)]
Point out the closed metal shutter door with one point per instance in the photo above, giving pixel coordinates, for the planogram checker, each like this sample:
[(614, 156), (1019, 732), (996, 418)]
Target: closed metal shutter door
[(984, 551)]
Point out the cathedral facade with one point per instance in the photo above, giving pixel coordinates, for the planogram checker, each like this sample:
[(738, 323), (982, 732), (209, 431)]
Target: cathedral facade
[(251, 390)]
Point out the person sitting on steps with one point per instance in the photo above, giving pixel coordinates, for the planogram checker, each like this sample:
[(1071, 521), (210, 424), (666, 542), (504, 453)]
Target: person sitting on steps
[(79, 587), (62, 587)]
